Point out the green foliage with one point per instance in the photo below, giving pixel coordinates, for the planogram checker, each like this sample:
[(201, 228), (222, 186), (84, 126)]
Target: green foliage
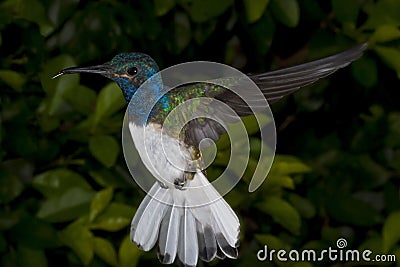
[(66, 195)]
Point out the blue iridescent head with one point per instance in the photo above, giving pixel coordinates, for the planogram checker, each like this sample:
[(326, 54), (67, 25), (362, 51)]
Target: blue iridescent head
[(128, 70)]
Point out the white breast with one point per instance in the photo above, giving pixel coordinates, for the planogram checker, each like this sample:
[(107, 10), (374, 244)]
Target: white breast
[(165, 157)]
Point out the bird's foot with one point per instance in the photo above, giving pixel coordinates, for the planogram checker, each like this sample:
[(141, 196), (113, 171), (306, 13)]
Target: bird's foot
[(180, 183), (163, 185)]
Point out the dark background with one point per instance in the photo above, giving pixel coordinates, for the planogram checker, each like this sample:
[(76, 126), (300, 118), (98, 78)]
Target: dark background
[(66, 195)]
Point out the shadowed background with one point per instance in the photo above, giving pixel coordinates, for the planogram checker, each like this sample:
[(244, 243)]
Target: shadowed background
[(66, 195)]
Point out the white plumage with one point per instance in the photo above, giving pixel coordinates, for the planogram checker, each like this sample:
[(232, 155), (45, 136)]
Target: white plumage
[(192, 223)]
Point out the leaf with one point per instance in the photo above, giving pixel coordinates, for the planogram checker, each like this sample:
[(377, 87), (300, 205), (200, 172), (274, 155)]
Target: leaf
[(286, 11), (8, 219), (204, 10), (203, 31), (255, 9), (128, 253), (345, 10), (251, 123), (55, 182), (109, 101), (383, 12), (163, 6), (73, 203), (107, 178), (55, 88), (385, 33), (391, 231), (262, 34), (105, 149), (81, 98), (14, 79), (80, 240), (392, 139), (183, 33), (282, 212), (33, 11), (10, 187), (35, 233), (303, 205), (286, 165), (105, 250), (271, 241), (348, 209), (29, 257), (391, 56), (114, 218), (100, 202), (365, 71)]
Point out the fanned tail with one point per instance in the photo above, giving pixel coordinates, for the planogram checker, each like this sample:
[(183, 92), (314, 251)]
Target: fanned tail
[(189, 224)]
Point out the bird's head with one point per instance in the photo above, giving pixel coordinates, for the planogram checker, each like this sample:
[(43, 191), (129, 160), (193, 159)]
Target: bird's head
[(128, 70)]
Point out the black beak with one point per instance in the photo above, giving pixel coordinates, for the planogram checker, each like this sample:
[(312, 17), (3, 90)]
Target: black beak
[(104, 69)]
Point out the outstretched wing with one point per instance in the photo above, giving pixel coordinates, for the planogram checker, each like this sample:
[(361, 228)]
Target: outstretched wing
[(279, 83), (274, 85)]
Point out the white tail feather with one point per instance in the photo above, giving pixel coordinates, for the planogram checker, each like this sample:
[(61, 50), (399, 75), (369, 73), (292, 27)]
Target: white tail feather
[(169, 234), (190, 223)]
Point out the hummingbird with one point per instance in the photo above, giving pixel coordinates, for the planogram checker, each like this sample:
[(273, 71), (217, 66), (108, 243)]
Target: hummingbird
[(168, 215)]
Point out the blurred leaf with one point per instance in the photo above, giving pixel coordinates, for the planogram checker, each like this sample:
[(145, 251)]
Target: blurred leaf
[(391, 56), (375, 174), (282, 212), (14, 79), (303, 205), (203, 31), (162, 7), (271, 241), (105, 250), (332, 234), (81, 98), (29, 257), (391, 231), (100, 202), (251, 123), (286, 11), (34, 233), (385, 33), (107, 178), (183, 33), (10, 187), (278, 181), (255, 9), (128, 253), (284, 165), (392, 139), (51, 68), (32, 10), (9, 218), (73, 203), (109, 101), (104, 148), (204, 10), (365, 71), (55, 88), (80, 240), (114, 218), (262, 34), (55, 182), (346, 11), (383, 12), (3, 244), (348, 209), (22, 168)]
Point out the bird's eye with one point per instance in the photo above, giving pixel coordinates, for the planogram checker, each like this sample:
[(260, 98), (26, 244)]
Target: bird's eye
[(132, 71)]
